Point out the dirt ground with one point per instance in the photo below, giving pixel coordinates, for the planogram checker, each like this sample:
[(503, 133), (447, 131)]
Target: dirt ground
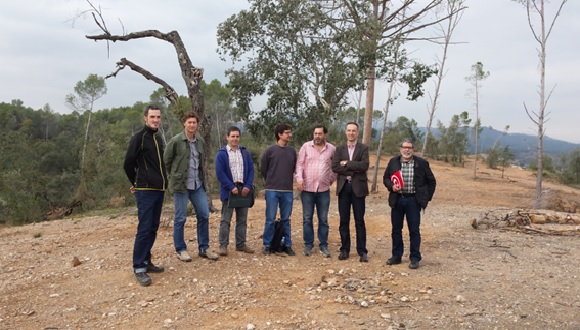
[(468, 279)]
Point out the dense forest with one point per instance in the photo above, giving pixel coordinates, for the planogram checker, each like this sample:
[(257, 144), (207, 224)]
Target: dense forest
[(43, 174)]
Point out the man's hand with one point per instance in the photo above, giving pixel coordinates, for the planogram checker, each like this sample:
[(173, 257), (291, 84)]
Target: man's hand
[(132, 189), (300, 186)]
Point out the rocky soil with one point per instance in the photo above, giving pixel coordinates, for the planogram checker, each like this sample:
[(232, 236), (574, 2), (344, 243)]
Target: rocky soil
[(468, 279)]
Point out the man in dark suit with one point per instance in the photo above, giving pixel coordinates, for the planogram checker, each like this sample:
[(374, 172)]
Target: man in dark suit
[(351, 162)]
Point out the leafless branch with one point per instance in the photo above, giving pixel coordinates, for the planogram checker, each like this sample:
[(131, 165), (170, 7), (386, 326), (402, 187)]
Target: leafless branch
[(169, 91)]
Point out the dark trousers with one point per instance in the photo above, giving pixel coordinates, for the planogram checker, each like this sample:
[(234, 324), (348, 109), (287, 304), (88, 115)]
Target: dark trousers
[(149, 205), (346, 199), (409, 207)]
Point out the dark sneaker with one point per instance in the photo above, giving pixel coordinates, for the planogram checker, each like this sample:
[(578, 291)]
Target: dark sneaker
[(393, 261), (151, 268), (364, 258), (223, 251), (307, 250), (266, 250), (245, 249), (325, 252), (343, 255), (143, 279), (208, 255), (289, 251), (414, 264)]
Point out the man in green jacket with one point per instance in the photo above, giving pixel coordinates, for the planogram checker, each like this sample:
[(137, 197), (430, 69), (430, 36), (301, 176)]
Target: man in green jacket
[(183, 158)]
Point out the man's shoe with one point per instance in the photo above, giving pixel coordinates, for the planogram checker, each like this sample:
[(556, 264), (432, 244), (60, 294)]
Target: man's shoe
[(307, 250), (245, 249), (151, 268), (208, 255), (143, 279), (414, 264), (183, 256), (223, 251), (266, 250), (343, 255), (325, 252), (364, 258), (289, 251), (393, 261)]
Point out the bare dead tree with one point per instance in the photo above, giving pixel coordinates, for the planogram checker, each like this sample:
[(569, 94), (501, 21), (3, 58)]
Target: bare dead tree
[(451, 10), (539, 118), (192, 76)]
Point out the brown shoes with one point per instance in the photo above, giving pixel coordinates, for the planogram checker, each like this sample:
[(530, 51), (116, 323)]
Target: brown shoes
[(245, 249)]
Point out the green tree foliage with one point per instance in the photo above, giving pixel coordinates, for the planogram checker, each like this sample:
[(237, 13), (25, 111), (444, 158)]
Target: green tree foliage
[(452, 144), (304, 66), (401, 129), (499, 158), (44, 152), (218, 106), (83, 100), (571, 168)]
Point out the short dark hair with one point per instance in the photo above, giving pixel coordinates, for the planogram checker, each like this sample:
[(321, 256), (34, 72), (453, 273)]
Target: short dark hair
[(189, 114), (150, 107), (352, 123), (280, 128), (233, 129), (324, 129), (407, 140)]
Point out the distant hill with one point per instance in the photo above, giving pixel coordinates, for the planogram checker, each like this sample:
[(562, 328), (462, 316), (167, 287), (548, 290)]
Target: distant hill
[(522, 145)]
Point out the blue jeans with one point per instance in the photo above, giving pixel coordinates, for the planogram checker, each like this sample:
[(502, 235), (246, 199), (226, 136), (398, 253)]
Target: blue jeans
[(149, 205), (346, 199), (198, 199), (322, 202), (241, 225), (409, 207), (284, 199)]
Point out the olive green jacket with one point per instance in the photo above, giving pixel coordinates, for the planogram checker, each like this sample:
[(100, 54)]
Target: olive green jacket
[(176, 159)]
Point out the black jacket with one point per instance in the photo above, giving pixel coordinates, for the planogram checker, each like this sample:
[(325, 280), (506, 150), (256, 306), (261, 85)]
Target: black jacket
[(144, 161), (423, 179)]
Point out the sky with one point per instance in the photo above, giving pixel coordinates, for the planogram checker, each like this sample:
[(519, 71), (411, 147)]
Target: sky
[(43, 55)]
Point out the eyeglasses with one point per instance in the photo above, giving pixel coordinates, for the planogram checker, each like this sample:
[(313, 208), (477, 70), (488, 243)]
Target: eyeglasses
[(409, 148)]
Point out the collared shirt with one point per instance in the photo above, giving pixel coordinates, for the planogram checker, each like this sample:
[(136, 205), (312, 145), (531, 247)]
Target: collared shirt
[(236, 164), (407, 173), (314, 167), (193, 179), (350, 148)]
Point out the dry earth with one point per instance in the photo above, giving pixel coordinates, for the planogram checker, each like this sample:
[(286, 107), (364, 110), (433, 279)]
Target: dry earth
[(468, 279)]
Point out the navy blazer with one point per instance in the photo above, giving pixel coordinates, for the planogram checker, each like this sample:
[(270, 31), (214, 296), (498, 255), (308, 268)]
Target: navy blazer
[(355, 168)]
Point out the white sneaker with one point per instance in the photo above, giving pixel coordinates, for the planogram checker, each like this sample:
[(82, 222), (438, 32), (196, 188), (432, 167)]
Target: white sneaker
[(184, 256), (209, 255)]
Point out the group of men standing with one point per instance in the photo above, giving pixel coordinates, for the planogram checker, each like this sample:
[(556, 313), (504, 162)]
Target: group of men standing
[(152, 168)]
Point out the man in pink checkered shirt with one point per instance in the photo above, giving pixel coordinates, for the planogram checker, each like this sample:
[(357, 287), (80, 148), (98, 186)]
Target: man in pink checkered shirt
[(314, 176)]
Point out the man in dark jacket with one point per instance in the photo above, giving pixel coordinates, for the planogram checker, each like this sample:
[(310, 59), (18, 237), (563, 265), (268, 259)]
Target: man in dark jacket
[(411, 184), (351, 162), (146, 172)]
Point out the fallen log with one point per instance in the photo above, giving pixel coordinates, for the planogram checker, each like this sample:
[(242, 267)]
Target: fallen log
[(546, 222)]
